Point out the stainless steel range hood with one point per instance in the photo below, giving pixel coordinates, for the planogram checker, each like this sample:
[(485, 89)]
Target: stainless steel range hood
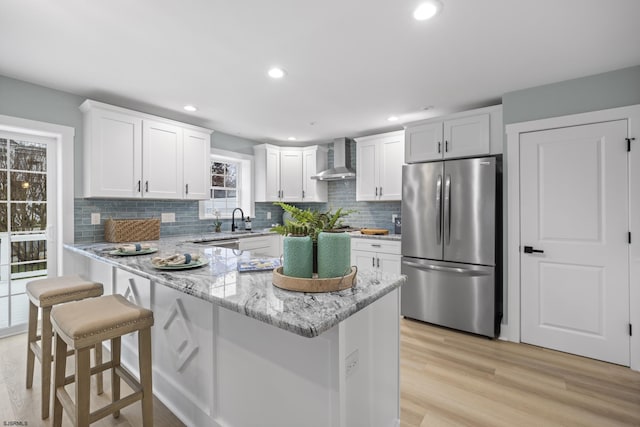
[(341, 162)]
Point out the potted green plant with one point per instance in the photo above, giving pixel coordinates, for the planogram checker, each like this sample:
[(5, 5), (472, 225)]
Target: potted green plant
[(217, 223), (312, 223)]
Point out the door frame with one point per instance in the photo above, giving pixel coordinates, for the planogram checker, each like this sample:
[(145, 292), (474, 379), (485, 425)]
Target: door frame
[(63, 232), (511, 325)]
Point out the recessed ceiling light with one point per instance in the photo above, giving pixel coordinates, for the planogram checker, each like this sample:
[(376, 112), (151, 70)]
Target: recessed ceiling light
[(276, 73), (427, 10), (392, 118), (190, 108), (292, 138)]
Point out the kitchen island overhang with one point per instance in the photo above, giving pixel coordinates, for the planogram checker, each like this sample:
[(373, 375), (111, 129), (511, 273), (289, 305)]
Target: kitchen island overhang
[(310, 359)]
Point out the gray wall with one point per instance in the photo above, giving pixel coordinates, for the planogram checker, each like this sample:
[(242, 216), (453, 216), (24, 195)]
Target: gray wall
[(30, 101), (598, 92)]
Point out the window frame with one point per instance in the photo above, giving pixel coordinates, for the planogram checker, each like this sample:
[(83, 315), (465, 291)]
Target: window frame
[(244, 185)]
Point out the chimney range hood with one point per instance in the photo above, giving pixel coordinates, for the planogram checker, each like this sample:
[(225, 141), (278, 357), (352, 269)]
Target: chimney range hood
[(341, 162)]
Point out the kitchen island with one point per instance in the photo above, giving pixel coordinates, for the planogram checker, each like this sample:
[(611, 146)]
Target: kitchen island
[(231, 349)]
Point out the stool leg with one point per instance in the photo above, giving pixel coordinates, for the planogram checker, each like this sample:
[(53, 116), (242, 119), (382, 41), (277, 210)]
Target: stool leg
[(46, 361), (115, 379), (60, 365), (144, 361), (83, 386), (97, 355), (31, 338)]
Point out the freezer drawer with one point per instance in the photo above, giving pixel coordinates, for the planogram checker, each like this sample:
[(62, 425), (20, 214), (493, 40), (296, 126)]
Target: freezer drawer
[(459, 296)]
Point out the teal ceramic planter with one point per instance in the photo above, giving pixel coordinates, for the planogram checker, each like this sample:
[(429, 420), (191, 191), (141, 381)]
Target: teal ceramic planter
[(334, 254), (298, 256)]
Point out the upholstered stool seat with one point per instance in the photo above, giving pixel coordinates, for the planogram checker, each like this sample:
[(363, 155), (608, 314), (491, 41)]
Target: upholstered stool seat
[(81, 325), (44, 294)]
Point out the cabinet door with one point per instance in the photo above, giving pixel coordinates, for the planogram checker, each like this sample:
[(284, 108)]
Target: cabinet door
[(367, 164), (467, 136), (389, 263), (365, 261), (162, 160), (423, 143), (114, 151), (272, 178), (291, 176), (137, 290), (313, 161), (391, 160), (196, 149)]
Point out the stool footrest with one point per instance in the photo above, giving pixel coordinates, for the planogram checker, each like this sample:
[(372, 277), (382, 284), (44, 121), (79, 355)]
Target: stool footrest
[(67, 403), (128, 378), (95, 370), (115, 406)]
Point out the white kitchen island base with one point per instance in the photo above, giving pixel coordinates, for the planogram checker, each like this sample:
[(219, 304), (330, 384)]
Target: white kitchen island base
[(216, 367)]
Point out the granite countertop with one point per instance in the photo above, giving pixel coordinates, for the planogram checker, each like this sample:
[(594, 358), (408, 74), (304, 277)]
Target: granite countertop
[(390, 236), (249, 293)]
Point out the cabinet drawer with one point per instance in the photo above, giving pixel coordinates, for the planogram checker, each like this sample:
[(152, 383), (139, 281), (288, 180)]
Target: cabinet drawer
[(375, 245), (264, 245)]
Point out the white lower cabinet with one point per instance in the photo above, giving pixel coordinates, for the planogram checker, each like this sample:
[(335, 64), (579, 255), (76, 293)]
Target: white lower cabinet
[(376, 254)]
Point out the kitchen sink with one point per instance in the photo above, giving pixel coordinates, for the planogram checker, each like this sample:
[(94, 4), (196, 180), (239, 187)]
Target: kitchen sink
[(221, 243)]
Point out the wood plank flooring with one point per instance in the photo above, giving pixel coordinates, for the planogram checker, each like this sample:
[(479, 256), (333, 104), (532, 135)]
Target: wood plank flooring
[(450, 378), (447, 379)]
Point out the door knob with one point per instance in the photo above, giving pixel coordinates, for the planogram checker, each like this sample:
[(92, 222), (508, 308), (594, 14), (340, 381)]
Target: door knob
[(530, 250)]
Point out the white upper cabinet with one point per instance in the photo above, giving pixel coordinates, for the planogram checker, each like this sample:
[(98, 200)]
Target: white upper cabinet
[(162, 167), (379, 160), (132, 155), (470, 133), (113, 157), (291, 175), (283, 174), (196, 148)]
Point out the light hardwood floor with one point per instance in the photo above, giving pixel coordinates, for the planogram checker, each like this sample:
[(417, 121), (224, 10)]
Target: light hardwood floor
[(447, 379), (452, 378)]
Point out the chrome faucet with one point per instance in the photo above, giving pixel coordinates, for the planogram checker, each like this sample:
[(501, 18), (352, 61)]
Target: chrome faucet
[(233, 218)]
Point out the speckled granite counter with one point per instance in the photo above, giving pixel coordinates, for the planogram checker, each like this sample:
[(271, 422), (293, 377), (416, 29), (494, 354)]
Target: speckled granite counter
[(251, 294), (392, 237)]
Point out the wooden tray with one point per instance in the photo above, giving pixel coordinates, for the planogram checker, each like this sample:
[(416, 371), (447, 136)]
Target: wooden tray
[(379, 231), (299, 284)]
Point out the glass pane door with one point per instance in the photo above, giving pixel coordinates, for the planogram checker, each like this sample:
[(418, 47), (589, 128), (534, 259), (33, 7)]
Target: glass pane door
[(23, 222)]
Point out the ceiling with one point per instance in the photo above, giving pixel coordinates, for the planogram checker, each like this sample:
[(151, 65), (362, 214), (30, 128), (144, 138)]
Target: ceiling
[(350, 63)]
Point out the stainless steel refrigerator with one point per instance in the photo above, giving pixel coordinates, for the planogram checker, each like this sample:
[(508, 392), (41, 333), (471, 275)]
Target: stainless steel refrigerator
[(451, 243)]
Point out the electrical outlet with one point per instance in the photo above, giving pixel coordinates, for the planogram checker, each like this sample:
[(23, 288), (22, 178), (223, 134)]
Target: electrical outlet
[(95, 218), (351, 363), (268, 215), (168, 217), (393, 218)]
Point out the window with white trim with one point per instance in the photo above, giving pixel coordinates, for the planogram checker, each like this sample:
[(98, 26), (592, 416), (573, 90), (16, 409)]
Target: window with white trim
[(231, 185)]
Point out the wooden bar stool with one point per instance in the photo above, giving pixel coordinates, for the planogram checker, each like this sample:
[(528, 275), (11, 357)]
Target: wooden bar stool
[(81, 325), (44, 294)]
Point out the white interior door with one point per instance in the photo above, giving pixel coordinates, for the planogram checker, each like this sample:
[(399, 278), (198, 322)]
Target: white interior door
[(574, 208)]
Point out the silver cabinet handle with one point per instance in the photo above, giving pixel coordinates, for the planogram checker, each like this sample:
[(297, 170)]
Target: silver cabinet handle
[(446, 146), (146, 186), (463, 271), (186, 189), (438, 147), (378, 259), (376, 191), (447, 207), (303, 194), (373, 261), (375, 246), (139, 185), (439, 210), (380, 191)]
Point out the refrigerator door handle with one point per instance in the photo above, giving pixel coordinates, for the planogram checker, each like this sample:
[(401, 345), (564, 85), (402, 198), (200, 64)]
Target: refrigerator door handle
[(439, 209), (447, 208), (457, 270)]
